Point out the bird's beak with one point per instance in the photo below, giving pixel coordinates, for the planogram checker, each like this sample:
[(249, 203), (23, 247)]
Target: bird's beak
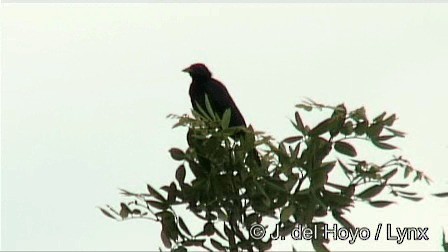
[(187, 70)]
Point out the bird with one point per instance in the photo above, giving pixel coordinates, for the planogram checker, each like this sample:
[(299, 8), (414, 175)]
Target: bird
[(219, 97), (204, 84)]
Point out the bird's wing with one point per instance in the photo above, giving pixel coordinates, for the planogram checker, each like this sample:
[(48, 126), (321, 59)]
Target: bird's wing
[(221, 100)]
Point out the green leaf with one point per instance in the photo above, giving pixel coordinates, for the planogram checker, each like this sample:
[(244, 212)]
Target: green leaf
[(183, 226), (180, 249), (219, 232), (444, 243), (374, 130), (128, 193), (385, 138), (328, 166), (344, 167), (196, 242), (380, 203), (361, 128), (379, 118), (107, 213), (359, 114), (340, 109), (226, 119), (344, 222), (296, 150), (339, 187), (125, 211), (441, 195), (165, 188), (399, 185), (407, 193), (292, 139), (407, 171), (305, 107), (412, 198), (276, 185), (396, 132), (228, 232), (418, 175), (209, 108), (350, 191), (166, 241), (382, 145), (339, 200), (153, 192), (263, 246), (299, 123), (287, 228), (318, 178), (157, 204), (345, 148), (180, 174), (287, 212), (347, 129), (390, 120), (172, 193), (217, 245), (338, 115), (319, 246), (322, 127), (209, 229), (201, 113), (251, 219), (136, 212), (390, 174), (371, 191), (177, 154)]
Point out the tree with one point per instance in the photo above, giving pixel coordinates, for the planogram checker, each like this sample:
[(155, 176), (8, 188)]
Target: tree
[(296, 184)]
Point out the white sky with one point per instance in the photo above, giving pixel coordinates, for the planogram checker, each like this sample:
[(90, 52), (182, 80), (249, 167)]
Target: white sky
[(86, 88)]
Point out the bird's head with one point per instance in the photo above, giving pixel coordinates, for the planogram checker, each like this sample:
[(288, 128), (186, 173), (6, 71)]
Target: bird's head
[(198, 71)]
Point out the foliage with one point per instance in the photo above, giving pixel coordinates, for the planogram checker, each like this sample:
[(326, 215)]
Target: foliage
[(229, 192), (444, 243)]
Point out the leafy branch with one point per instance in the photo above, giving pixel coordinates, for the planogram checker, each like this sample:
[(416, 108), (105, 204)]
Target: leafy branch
[(229, 191)]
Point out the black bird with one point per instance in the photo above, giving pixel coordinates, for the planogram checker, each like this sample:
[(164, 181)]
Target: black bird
[(220, 99), (203, 84)]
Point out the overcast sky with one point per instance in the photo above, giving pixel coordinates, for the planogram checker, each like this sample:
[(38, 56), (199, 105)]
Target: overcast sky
[(86, 90)]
